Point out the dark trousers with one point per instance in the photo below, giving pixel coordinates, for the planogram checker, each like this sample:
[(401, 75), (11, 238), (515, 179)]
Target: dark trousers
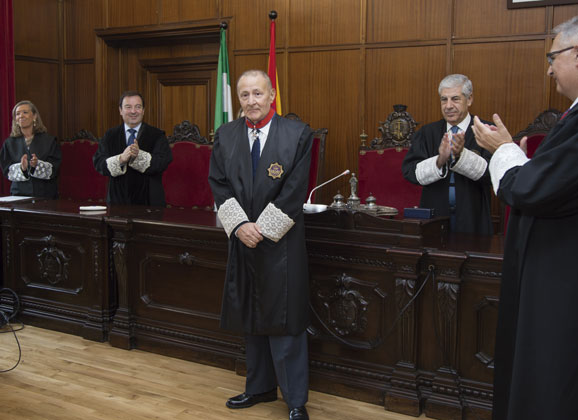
[(278, 360)]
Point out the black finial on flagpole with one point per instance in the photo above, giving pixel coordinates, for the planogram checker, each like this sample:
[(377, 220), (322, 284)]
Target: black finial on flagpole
[(273, 14), (224, 25)]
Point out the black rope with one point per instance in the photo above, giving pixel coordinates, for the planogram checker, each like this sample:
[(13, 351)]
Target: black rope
[(5, 320)]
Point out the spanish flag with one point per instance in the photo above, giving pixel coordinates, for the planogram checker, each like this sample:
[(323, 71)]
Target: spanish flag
[(272, 71)]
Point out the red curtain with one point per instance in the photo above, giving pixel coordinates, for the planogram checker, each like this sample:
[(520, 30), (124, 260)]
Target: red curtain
[(6, 77)]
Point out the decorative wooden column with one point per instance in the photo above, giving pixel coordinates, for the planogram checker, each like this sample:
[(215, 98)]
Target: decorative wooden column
[(445, 400), (403, 394), (122, 332)]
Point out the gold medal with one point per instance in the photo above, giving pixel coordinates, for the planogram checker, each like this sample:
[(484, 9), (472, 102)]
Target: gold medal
[(275, 170)]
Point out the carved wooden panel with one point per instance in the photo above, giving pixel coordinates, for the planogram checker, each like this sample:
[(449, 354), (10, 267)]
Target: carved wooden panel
[(58, 267), (342, 305), (174, 290)]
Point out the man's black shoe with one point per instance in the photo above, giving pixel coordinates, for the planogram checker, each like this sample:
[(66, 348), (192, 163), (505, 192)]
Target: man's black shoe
[(247, 400), (299, 413)]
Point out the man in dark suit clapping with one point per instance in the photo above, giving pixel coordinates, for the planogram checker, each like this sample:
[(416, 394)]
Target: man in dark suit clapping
[(134, 156)]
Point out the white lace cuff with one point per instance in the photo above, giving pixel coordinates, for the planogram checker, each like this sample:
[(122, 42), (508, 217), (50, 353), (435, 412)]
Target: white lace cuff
[(274, 224), (427, 172), (231, 214), (470, 164), (505, 158), (15, 173), (43, 170), (142, 162), (114, 166)]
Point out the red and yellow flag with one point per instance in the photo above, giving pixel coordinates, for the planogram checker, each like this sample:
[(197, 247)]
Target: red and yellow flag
[(272, 71)]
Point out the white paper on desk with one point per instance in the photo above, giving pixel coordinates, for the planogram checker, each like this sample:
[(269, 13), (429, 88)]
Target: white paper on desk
[(11, 198), (92, 208)]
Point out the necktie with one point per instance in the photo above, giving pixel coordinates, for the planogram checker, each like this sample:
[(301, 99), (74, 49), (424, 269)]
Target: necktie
[(565, 113), (131, 138), (255, 150), (452, 191)]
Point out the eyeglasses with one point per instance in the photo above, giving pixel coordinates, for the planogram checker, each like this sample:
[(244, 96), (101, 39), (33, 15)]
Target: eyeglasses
[(551, 56)]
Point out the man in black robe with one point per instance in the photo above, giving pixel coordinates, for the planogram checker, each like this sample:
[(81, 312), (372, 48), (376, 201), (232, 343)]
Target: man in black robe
[(536, 356), (134, 155), (259, 175), (445, 159)]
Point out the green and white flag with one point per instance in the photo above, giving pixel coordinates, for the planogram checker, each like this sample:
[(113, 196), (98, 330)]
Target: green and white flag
[(223, 102)]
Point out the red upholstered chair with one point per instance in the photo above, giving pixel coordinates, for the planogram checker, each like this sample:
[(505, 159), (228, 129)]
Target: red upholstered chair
[(186, 179), (536, 132), (317, 156), (78, 180), (317, 161), (379, 164), (380, 175)]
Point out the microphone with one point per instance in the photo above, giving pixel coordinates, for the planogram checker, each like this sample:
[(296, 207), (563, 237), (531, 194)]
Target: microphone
[(316, 208)]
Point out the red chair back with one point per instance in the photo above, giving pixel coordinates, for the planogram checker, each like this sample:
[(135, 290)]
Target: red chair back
[(186, 179), (380, 175), (78, 180), (533, 143), (317, 160)]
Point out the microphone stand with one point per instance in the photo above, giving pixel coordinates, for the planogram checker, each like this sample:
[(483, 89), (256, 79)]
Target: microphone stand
[(317, 208)]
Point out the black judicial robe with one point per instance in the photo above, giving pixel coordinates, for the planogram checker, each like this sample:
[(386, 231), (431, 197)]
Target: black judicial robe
[(473, 198), (135, 187), (266, 288), (536, 358), (47, 149)]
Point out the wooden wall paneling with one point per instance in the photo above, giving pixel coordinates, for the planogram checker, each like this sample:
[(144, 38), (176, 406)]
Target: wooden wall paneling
[(183, 10), (251, 27), (132, 12), (182, 92), (135, 53), (508, 78), (36, 28), (410, 20), (390, 81), (476, 19), (324, 22), (324, 92), (109, 85), (81, 18), (563, 13), (80, 109), (37, 81), (184, 102)]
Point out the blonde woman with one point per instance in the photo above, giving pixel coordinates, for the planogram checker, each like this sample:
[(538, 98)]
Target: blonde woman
[(30, 157)]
